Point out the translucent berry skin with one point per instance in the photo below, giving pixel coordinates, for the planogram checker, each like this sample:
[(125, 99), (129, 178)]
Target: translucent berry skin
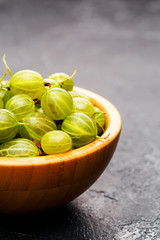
[(64, 80), (99, 119), (8, 125), (57, 103), (81, 128), (56, 142), (27, 82), (19, 147), (83, 105), (20, 105), (36, 125)]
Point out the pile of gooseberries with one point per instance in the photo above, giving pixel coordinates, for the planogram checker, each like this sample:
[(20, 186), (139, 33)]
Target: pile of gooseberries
[(41, 116)]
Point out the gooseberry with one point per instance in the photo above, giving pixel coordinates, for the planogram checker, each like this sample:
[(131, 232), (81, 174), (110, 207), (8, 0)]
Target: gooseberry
[(56, 142), (99, 118), (64, 80), (35, 125), (8, 125), (27, 82), (57, 103), (19, 147), (83, 105), (81, 128), (20, 105)]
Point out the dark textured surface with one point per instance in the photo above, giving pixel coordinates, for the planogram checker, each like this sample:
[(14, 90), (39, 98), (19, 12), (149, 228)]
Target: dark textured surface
[(115, 46)]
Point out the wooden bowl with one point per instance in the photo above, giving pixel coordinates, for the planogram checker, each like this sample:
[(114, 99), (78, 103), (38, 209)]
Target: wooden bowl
[(35, 184)]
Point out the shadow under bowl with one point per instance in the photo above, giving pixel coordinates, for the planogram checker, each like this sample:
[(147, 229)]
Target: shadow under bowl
[(35, 184)]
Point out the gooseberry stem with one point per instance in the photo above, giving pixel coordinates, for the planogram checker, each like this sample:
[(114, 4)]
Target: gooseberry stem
[(74, 73), (101, 138), (5, 63), (5, 73)]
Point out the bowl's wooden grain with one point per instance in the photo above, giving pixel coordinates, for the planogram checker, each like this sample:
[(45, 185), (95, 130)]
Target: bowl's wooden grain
[(39, 183)]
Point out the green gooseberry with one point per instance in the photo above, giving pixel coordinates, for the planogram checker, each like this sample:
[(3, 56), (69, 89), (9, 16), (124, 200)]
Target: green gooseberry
[(64, 80), (35, 125), (81, 128), (1, 103), (57, 103), (99, 119), (19, 147), (8, 125), (28, 82), (5, 94), (21, 105), (83, 105), (56, 142)]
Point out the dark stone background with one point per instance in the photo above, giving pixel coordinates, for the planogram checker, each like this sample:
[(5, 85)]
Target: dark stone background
[(115, 46)]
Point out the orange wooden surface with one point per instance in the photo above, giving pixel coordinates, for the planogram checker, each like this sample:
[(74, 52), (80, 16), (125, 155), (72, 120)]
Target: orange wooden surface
[(39, 183)]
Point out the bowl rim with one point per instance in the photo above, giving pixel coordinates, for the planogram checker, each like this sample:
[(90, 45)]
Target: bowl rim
[(110, 134)]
